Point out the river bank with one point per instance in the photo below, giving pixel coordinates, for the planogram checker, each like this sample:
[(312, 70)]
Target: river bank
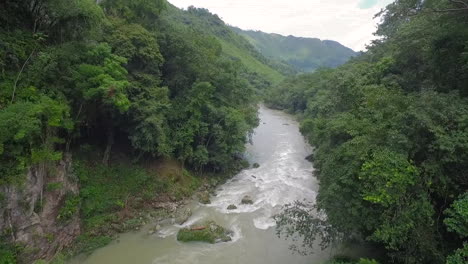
[(127, 197), (283, 176)]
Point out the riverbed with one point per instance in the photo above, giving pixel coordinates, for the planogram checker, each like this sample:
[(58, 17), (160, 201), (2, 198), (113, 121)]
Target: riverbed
[(284, 176)]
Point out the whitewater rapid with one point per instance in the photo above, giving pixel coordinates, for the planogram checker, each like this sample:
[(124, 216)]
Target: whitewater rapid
[(283, 177)]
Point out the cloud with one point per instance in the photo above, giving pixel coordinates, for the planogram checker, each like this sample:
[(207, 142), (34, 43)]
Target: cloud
[(340, 20), (365, 4)]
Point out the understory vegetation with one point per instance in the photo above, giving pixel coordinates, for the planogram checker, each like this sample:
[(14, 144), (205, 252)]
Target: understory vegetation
[(390, 130)]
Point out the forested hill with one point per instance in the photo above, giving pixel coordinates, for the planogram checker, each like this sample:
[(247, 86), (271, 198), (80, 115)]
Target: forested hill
[(390, 130), (233, 45), (91, 93), (306, 54)]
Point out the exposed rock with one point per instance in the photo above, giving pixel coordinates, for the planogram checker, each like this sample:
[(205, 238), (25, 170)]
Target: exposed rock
[(247, 200), (117, 228), (253, 176), (256, 165), (204, 197), (182, 216), (232, 207), (209, 232), (32, 212)]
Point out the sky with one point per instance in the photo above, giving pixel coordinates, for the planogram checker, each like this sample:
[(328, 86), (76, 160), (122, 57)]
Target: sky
[(350, 22)]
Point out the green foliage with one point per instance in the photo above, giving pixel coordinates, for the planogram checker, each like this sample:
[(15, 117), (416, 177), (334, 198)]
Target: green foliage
[(105, 189), (70, 207), (305, 54), (209, 233), (53, 186), (136, 76), (390, 130), (7, 257), (387, 177), (58, 259), (8, 253), (26, 135), (86, 243), (300, 220), (457, 216), (142, 11), (460, 256), (104, 80), (258, 70)]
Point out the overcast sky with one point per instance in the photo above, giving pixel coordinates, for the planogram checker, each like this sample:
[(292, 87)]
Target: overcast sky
[(348, 21)]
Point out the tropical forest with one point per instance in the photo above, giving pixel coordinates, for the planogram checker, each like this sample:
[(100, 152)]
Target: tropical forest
[(167, 132)]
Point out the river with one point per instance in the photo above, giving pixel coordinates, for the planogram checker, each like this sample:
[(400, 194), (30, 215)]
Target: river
[(284, 176)]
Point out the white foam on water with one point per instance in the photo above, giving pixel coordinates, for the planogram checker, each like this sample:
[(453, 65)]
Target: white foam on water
[(282, 179), (167, 231), (237, 233), (192, 220), (264, 222)]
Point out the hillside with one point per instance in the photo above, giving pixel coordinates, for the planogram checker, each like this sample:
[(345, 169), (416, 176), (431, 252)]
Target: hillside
[(234, 46), (306, 54)]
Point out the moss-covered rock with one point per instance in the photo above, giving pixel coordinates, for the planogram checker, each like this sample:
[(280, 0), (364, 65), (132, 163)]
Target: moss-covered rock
[(256, 165), (232, 207), (209, 232)]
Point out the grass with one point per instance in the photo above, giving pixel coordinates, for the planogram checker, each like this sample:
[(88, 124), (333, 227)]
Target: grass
[(112, 198), (8, 252), (106, 190)]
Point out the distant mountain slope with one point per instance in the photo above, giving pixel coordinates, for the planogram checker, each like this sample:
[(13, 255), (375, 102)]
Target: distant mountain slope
[(306, 54), (233, 44)]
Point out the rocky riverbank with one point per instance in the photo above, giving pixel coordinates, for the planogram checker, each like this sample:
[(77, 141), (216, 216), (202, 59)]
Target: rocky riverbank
[(76, 206)]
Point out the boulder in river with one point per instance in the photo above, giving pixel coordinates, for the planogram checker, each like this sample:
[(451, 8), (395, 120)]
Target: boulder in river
[(204, 197), (256, 165), (310, 158), (232, 207), (209, 232), (182, 216), (247, 200)]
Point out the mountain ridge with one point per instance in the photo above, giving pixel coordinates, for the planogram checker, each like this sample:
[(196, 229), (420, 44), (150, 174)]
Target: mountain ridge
[(304, 53)]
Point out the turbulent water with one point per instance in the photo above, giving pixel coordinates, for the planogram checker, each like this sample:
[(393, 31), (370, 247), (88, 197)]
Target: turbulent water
[(283, 177)]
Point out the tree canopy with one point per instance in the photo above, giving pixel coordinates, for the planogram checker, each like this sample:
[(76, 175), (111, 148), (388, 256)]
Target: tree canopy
[(390, 130)]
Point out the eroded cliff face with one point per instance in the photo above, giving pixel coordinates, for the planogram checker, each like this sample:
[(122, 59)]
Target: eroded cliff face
[(32, 215)]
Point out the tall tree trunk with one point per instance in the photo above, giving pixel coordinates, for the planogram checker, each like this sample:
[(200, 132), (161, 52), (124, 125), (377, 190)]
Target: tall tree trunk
[(110, 142)]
